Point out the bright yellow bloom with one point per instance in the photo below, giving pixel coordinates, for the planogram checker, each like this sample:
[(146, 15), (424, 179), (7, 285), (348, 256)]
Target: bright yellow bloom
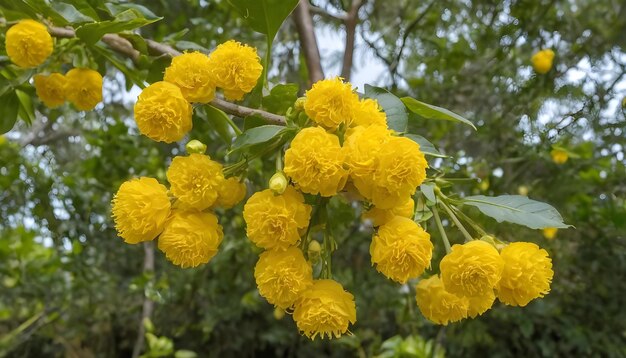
[(84, 88), (162, 113), (401, 168), (480, 304), (325, 309), (330, 102), (527, 274), (401, 249), (51, 89), (230, 193), (195, 180), (550, 233), (192, 73), (282, 276), (559, 156), (362, 145), (367, 112), (273, 221), (382, 216), (542, 61), (314, 162), (471, 269), (190, 238), (28, 43), (439, 305), (140, 208), (236, 69)]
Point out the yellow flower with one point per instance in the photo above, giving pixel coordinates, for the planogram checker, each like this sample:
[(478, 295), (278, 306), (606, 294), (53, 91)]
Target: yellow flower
[(542, 61), (401, 168), (367, 112), (195, 180), (362, 145), (191, 72), (83, 88), (162, 113), (140, 208), (401, 249), (382, 216), (230, 193), (28, 43), (190, 238), (325, 309), (550, 233), (471, 269), (314, 162), (273, 221), (439, 305), (330, 102), (559, 156), (236, 69), (480, 304), (282, 276), (51, 89), (527, 274)]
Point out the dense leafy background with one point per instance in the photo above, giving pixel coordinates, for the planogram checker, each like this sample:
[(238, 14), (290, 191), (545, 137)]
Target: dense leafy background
[(70, 287)]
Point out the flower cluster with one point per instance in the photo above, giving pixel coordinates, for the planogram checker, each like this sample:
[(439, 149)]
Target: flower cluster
[(475, 273), (28, 45), (188, 231), (163, 110)]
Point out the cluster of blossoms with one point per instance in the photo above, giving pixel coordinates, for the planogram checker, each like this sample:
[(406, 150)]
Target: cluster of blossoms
[(188, 231), (28, 45), (163, 110), (475, 273)]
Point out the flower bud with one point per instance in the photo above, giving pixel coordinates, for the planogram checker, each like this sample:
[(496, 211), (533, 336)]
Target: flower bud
[(195, 146), (314, 251), (299, 104), (522, 190), (278, 183), (279, 313)]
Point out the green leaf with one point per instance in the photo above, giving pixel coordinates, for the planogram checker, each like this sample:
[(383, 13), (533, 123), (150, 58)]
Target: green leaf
[(281, 97), (70, 13), (428, 189), (26, 110), (253, 121), (219, 121), (264, 16), (9, 107), (397, 116), (124, 21), (116, 9), (257, 135), (188, 45), (517, 209), (425, 146), (429, 111)]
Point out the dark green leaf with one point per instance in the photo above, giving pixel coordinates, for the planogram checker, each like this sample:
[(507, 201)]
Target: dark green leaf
[(116, 9), (26, 110), (70, 13), (425, 146), (219, 121), (257, 135), (188, 45), (429, 111), (397, 116), (125, 21), (517, 209), (264, 16), (281, 97), (9, 107)]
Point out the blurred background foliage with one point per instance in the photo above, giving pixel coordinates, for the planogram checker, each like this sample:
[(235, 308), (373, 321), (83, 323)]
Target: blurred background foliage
[(70, 287)]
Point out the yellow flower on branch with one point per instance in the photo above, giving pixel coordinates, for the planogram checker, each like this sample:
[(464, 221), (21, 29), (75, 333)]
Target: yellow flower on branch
[(439, 305), (230, 193), (315, 162), (325, 310), (401, 249), (192, 73), (162, 113), (282, 276), (274, 221), (550, 233), (83, 88), (559, 156), (330, 102), (236, 69), (480, 304), (382, 216), (140, 208), (542, 61), (472, 269), (190, 238), (527, 274), (367, 112), (51, 89), (28, 43), (195, 180)]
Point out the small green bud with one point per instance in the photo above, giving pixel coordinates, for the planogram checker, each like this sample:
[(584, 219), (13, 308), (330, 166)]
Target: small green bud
[(195, 146), (147, 325), (279, 313), (314, 251), (278, 183), (299, 104)]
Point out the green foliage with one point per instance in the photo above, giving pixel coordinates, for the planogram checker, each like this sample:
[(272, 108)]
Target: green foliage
[(429, 111), (397, 116)]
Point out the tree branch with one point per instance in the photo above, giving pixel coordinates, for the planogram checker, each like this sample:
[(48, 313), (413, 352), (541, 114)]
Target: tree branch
[(320, 11), (125, 48), (352, 19), (148, 304), (308, 42)]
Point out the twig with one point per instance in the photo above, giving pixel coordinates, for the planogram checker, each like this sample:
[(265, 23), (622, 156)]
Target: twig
[(308, 42), (351, 20), (148, 304), (241, 111)]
